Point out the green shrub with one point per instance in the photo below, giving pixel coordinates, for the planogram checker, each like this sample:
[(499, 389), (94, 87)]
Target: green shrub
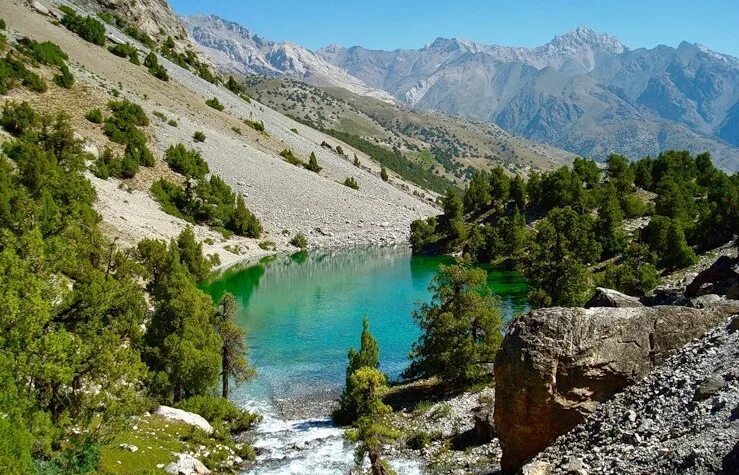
[(234, 86), (267, 246), (313, 163), (2, 24), (172, 123), (290, 157), (95, 116), (170, 196), (65, 78), (258, 126), (418, 440), (351, 183), (151, 62), (186, 162), (34, 82), (217, 410), (87, 28), (383, 174), (294, 130), (46, 52), (139, 36), (122, 127), (18, 118), (198, 136), (108, 165), (126, 50), (215, 104), (299, 241), (160, 116)]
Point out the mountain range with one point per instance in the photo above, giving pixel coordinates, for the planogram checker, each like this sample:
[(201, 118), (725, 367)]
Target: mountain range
[(584, 91)]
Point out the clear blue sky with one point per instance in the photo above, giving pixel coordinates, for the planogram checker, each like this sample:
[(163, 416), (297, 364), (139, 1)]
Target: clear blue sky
[(390, 24)]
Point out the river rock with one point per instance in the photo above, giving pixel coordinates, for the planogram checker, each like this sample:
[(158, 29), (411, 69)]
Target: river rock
[(612, 298), (190, 418), (186, 465), (557, 365)]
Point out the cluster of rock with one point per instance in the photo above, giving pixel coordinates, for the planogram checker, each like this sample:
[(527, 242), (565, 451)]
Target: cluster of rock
[(558, 365), (683, 418)]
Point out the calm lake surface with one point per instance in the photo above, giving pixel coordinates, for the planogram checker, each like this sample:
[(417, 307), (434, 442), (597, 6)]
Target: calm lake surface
[(302, 313)]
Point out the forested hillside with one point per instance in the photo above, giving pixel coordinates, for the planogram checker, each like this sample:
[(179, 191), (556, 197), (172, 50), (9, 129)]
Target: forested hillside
[(573, 228)]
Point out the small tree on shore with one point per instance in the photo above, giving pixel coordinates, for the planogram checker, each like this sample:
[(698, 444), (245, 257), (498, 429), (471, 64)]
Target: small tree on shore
[(234, 362), (460, 328), (368, 356)]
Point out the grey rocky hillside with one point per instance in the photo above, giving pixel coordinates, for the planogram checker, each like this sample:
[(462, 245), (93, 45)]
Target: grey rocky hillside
[(583, 91), (287, 199), (682, 418)]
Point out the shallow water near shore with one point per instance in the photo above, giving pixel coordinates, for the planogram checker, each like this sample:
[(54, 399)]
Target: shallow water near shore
[(302, 313)]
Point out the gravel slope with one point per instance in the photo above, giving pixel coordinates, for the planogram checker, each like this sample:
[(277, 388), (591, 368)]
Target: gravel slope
[(683, 418), (283, 196)]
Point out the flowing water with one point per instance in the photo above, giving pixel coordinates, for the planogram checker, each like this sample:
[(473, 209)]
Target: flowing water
[(302, 313)]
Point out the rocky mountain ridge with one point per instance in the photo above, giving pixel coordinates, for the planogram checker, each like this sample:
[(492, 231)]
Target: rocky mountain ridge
[(236, 49), (583, 91)]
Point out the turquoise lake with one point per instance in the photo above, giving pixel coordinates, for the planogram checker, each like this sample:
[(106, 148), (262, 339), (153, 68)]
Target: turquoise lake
[(302, 313)]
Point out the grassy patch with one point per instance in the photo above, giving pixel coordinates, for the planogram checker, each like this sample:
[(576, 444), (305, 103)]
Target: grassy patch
[(156, 439)]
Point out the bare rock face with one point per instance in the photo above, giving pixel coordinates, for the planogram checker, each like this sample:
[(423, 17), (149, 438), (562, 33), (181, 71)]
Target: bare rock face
[(612, 298), (154, 17), (557, 365)]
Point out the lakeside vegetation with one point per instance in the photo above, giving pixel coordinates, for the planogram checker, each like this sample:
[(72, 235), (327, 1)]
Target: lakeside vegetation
[(558, 226), (75, 313)]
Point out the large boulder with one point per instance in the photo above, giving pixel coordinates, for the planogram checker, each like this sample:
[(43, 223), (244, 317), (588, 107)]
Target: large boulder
[(612, 298), (556, 365), (190, 418), (721, 278)]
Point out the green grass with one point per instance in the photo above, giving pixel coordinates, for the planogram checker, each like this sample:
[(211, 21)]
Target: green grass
[(163, 436)]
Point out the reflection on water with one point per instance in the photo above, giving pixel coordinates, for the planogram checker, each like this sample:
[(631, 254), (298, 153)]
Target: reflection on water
[(303, 312)]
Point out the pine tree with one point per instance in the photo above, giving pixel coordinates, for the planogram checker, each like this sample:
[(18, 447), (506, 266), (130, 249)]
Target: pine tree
[(518, 192), (313, 163), (368, 356), (383, 174), (608, 227), (460, 328), (234, 362), (477, 197)]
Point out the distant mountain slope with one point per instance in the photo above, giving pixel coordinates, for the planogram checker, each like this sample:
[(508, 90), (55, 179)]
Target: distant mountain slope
[(583, 91), (236, 49), (452, 146)]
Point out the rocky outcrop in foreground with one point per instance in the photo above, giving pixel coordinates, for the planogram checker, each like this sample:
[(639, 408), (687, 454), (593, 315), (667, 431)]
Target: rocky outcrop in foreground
[(683, 418), (557, 365)]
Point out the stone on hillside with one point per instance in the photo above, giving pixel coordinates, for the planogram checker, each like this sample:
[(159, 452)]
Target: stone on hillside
[(611, 298), (537, 468), (129, 447), (40, 8), (186, 465), (721, 278), (484, 424), (189, 418), (557, 364)]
